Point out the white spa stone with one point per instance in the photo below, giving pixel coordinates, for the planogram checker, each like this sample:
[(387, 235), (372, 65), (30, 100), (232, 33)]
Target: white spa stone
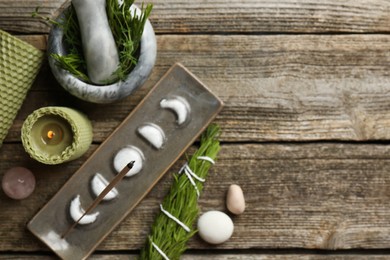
[(99, 183), (76, 211), (235, 201), (215, 227), (100, 51), (178, 105), (153, 134), (126, 155)]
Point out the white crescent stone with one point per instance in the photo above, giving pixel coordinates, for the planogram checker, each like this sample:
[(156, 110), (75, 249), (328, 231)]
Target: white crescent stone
[(76, 211), (56, 242), (178, 105), (99, 183), (153, 134)]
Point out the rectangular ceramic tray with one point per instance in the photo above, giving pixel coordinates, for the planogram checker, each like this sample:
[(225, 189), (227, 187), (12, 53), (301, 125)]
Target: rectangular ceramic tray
[(54, 218)]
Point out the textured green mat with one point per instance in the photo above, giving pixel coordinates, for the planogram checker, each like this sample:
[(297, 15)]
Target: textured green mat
[(19, 64)]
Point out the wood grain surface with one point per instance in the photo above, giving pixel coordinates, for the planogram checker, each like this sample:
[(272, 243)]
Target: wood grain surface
[(313, 196), (306, 87), (189, 256), (228, 16), (280, 87)]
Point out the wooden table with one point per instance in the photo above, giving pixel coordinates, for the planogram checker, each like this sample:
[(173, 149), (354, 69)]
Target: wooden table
[(306, 126)]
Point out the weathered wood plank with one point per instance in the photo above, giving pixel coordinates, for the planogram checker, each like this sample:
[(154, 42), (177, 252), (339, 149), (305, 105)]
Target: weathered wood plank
[(16, 16), (245, 16), (218, 256), (38, 41), (292, 87), (312, 196), (282, 88), (254, 16)]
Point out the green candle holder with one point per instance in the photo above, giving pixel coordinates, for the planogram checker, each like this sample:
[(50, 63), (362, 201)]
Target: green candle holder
[(19, 65), (53, 135)]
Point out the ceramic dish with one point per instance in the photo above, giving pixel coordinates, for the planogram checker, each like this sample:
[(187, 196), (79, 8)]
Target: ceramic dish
[(151, 162)]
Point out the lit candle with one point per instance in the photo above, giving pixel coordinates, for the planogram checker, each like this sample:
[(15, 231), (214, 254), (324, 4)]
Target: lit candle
[(54, 135), (51, 134)]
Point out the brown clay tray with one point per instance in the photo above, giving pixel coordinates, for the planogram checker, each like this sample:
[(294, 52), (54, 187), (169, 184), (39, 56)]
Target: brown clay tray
[(54, 218)]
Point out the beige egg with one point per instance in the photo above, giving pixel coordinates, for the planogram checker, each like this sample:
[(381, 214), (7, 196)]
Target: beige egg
[(235, 200)]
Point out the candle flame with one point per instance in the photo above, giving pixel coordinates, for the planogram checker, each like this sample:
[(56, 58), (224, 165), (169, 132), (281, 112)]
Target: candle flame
[(50, 134)]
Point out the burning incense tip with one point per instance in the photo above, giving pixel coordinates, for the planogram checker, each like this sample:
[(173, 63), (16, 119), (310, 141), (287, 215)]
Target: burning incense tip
[(130, 165)]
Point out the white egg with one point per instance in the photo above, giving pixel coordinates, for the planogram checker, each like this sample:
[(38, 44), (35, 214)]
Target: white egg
[(99, 183), (76, 211), (126, 155), (178, 105), (153, 134), (215, 227)]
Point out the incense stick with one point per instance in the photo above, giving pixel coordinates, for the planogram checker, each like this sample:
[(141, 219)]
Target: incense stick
[(99, 198)]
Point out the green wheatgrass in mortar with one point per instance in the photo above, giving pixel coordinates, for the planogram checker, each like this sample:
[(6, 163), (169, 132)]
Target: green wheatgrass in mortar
[(126, 29), (182, 202)]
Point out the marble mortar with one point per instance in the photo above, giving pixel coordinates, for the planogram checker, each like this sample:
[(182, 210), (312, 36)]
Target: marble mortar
[(104, 93)]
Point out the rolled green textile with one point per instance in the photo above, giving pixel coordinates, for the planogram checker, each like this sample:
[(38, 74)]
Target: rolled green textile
[(41, 120), (19, 65)]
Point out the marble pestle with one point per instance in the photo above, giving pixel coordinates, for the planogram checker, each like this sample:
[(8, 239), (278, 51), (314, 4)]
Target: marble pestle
[(100, 51)]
